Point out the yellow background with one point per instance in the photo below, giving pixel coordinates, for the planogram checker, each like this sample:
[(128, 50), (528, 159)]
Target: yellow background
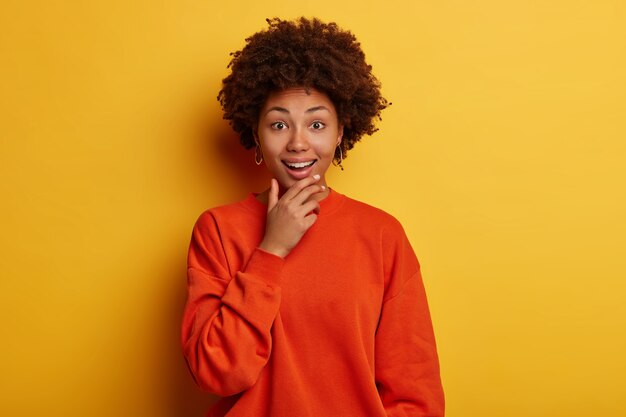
[(503, 155)]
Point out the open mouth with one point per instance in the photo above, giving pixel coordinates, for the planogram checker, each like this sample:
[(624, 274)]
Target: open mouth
[(296, 166)]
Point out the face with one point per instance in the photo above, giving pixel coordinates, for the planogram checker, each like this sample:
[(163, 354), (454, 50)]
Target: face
[(298, 134)]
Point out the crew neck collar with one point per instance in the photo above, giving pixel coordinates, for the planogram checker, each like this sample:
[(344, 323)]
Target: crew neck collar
[(329, 204)]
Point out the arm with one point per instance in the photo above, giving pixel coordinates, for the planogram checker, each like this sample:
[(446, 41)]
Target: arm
[(226, 332), (406, 362), (226, 323)]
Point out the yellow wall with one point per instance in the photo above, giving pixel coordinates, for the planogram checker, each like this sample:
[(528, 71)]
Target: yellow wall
[(503, 155)]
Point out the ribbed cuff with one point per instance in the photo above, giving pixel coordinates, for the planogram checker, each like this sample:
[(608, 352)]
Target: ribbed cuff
[(265, 266)]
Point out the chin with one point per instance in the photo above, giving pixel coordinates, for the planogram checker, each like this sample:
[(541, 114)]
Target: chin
[(285, 183)]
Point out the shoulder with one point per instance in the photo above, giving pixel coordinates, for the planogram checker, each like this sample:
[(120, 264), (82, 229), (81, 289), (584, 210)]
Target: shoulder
[(371, 216), (376, 226), (237, 212)]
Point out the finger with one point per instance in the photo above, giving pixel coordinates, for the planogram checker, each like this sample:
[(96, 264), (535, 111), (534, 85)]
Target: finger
[(306, 193), (309, 221), (272, 195), (299, 186), (311, 206)]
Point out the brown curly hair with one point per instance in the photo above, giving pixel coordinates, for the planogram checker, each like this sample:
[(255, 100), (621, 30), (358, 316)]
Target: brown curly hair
[(302, 53)]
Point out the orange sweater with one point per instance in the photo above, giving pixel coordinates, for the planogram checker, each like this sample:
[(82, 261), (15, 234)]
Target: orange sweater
[(340, 327)]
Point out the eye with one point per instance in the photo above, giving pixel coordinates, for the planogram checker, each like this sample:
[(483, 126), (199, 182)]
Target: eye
[(317, 125), (278, 125)]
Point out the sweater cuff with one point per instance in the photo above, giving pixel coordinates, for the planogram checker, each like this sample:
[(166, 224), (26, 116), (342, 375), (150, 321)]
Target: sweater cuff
[(265, 266)]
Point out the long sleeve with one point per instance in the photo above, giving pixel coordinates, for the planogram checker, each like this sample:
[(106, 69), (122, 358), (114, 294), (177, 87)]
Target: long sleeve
[(226, 330), (406, 361)]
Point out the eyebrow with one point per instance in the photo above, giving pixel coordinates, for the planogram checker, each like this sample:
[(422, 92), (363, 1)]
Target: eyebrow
[(284, 110)]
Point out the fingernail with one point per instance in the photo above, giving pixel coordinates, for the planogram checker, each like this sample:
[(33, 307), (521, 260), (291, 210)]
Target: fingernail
[(323, 187), (316, 176)]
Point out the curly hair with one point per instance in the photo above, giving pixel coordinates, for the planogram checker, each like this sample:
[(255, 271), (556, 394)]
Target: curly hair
[(303, 53)]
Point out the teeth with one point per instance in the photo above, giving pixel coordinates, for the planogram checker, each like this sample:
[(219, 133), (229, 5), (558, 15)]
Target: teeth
[(299, 164)]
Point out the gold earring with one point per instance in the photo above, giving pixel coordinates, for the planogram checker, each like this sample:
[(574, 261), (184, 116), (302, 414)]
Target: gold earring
[(338, 164), (258, 156)]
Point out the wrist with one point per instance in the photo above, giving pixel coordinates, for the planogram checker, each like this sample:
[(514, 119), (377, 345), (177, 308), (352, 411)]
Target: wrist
[(274, 250)]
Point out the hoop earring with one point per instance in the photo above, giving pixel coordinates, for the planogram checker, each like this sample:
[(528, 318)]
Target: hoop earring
[(258, 156), (338, 164)]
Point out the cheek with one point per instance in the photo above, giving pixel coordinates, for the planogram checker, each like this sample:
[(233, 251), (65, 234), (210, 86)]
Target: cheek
[(269, 151), (330, 152), (327, 148)]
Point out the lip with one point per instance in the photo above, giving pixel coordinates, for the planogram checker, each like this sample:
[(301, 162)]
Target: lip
[(300, 173)]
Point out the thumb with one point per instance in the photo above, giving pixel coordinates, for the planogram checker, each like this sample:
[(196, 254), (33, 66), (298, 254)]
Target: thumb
[(272, 196)]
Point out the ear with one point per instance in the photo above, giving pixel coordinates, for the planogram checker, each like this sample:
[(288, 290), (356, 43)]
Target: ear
[(340, 136), (255, 135)]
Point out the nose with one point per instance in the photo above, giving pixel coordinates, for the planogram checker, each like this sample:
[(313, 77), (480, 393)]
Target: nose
[(298, 141)]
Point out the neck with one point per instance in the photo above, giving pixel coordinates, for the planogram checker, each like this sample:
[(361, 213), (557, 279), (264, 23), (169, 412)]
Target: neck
[(262, 197)]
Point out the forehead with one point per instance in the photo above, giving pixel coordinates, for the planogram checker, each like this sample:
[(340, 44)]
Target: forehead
[(298, 100)]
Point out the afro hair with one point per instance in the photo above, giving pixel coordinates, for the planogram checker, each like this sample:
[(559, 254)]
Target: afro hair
[(304, 53)]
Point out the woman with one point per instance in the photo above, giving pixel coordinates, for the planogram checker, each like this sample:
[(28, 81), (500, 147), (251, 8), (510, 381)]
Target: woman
[(302, 301)]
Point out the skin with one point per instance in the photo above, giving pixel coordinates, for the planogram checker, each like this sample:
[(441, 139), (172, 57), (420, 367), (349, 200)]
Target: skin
[(295, 126)]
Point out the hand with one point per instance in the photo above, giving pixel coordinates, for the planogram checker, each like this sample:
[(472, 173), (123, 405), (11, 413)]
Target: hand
[(289, 217)]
